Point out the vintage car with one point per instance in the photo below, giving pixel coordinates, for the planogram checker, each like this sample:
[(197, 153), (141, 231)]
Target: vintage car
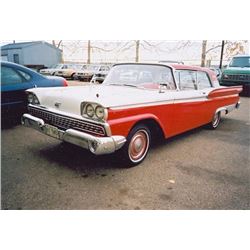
[(51, 71), (95, 72), (135, 104), (68, 70)]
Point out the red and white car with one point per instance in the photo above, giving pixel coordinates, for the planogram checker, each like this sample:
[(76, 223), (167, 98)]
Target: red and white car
[(135, 103)]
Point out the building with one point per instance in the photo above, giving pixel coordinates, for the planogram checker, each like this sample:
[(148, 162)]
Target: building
[(37, 54)]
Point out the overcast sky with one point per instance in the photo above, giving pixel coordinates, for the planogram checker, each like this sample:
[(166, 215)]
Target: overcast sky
[(188, 51)]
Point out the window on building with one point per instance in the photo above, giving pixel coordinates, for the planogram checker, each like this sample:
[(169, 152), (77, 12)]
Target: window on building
[(16, 58)]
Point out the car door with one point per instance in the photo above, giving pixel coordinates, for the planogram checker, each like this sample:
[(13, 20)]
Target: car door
[(190, 102), (14, 82)]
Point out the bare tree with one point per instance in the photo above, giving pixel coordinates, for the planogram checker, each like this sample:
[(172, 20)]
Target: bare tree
[(137, 48), (231, 48), (57, 45), (203, 53), (89, 51)]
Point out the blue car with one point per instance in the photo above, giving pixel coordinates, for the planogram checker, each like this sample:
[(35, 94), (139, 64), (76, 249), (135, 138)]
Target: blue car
[(15, 79)]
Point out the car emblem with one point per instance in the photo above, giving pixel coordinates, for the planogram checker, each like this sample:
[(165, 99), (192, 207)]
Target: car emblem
[(57, 104)]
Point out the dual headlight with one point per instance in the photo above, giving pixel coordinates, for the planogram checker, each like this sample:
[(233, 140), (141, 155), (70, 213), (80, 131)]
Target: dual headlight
[(32, 99), (94, 111)]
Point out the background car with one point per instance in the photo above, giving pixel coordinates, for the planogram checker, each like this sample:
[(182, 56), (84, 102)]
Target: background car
[(51, 71), (238, 73), (15, 79), (99, 71), (217, 71), (68, 71)]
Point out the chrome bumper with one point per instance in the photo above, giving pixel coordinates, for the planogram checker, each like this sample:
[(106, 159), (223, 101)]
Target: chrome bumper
[(97, 145)]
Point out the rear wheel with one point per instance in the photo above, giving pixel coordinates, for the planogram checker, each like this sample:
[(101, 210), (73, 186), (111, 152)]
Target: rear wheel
[(215, 121), (136, 148)]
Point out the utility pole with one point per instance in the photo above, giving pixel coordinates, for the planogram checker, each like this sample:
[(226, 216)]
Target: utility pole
[(89, 51), (221, 53), (203, 53), (137, 44)]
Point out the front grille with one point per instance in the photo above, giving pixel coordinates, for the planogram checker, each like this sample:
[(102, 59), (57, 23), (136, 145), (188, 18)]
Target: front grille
[(64, 122), (242, 77)]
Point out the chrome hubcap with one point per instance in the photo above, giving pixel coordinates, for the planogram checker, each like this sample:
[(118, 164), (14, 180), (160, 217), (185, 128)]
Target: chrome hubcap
[(138, 146), (216, 119)]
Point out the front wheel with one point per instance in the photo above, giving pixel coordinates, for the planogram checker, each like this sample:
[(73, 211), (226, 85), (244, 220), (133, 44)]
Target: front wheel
[(136, 148)]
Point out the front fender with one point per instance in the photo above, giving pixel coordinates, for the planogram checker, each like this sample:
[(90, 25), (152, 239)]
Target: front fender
[(122, 126)]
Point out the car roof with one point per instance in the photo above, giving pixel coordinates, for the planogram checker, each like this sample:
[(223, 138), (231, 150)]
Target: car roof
[(21, 67), (241, 56)]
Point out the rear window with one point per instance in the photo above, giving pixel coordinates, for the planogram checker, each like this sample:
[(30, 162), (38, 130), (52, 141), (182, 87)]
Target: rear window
[(10, 76)]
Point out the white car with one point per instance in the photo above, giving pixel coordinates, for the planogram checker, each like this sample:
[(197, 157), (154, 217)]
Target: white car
[(51, 71), (68, 70), (88, 72)]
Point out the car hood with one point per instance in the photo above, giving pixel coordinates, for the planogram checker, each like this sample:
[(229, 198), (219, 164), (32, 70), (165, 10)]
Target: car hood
[(70, 98), (236, 70)]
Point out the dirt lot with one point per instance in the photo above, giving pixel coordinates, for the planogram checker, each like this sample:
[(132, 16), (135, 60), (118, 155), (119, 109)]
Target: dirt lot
[(201, 169)]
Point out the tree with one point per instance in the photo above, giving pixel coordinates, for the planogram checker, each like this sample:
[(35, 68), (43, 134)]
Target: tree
[(203, 53), (231, 48)]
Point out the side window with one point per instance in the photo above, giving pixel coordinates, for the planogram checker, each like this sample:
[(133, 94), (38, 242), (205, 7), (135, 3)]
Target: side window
[(26, 76), (187, 80), (103, 68), (203, 80), (10, 76)]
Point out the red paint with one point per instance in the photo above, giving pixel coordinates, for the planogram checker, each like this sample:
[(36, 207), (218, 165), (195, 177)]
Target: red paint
[(174, 118)]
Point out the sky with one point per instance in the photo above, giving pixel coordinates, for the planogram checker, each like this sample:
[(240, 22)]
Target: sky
[(188, 51)]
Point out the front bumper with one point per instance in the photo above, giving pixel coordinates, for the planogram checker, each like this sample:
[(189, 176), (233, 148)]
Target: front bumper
[(97, 145)]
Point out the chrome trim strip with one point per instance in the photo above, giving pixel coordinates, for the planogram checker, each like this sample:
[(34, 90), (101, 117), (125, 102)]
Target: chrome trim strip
[(228, 108), (97, 145), (174, 101)]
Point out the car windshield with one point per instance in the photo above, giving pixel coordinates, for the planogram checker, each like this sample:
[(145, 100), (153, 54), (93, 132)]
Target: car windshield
[(243, 62), (93, 67), (57, 66), (140, 75)]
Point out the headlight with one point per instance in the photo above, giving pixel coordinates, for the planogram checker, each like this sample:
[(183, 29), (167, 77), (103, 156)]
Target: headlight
[(99, 112), (90, 111), (94, 111), (32, 98), (225, 76)]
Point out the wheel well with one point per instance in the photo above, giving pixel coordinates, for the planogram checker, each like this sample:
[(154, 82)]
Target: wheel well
[(157, 133)]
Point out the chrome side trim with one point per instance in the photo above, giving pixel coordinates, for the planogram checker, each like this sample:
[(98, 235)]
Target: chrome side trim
[(156, 103), (97, 145), (228, 108)]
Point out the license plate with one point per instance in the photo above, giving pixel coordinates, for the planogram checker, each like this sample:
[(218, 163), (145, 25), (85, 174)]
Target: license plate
[(52, 131)]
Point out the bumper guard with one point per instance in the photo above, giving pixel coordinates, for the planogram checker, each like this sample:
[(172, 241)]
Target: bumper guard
[(97, 145)]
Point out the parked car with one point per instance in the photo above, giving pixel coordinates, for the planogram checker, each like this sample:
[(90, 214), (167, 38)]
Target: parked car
[(238, 73), (67, 71), (99, 72), (217, 71), (15, 79), (51, 71), (135, 103)]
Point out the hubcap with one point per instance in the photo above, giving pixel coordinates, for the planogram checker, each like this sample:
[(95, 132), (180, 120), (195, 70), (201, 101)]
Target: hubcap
[(138, 146), (216, 120)]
